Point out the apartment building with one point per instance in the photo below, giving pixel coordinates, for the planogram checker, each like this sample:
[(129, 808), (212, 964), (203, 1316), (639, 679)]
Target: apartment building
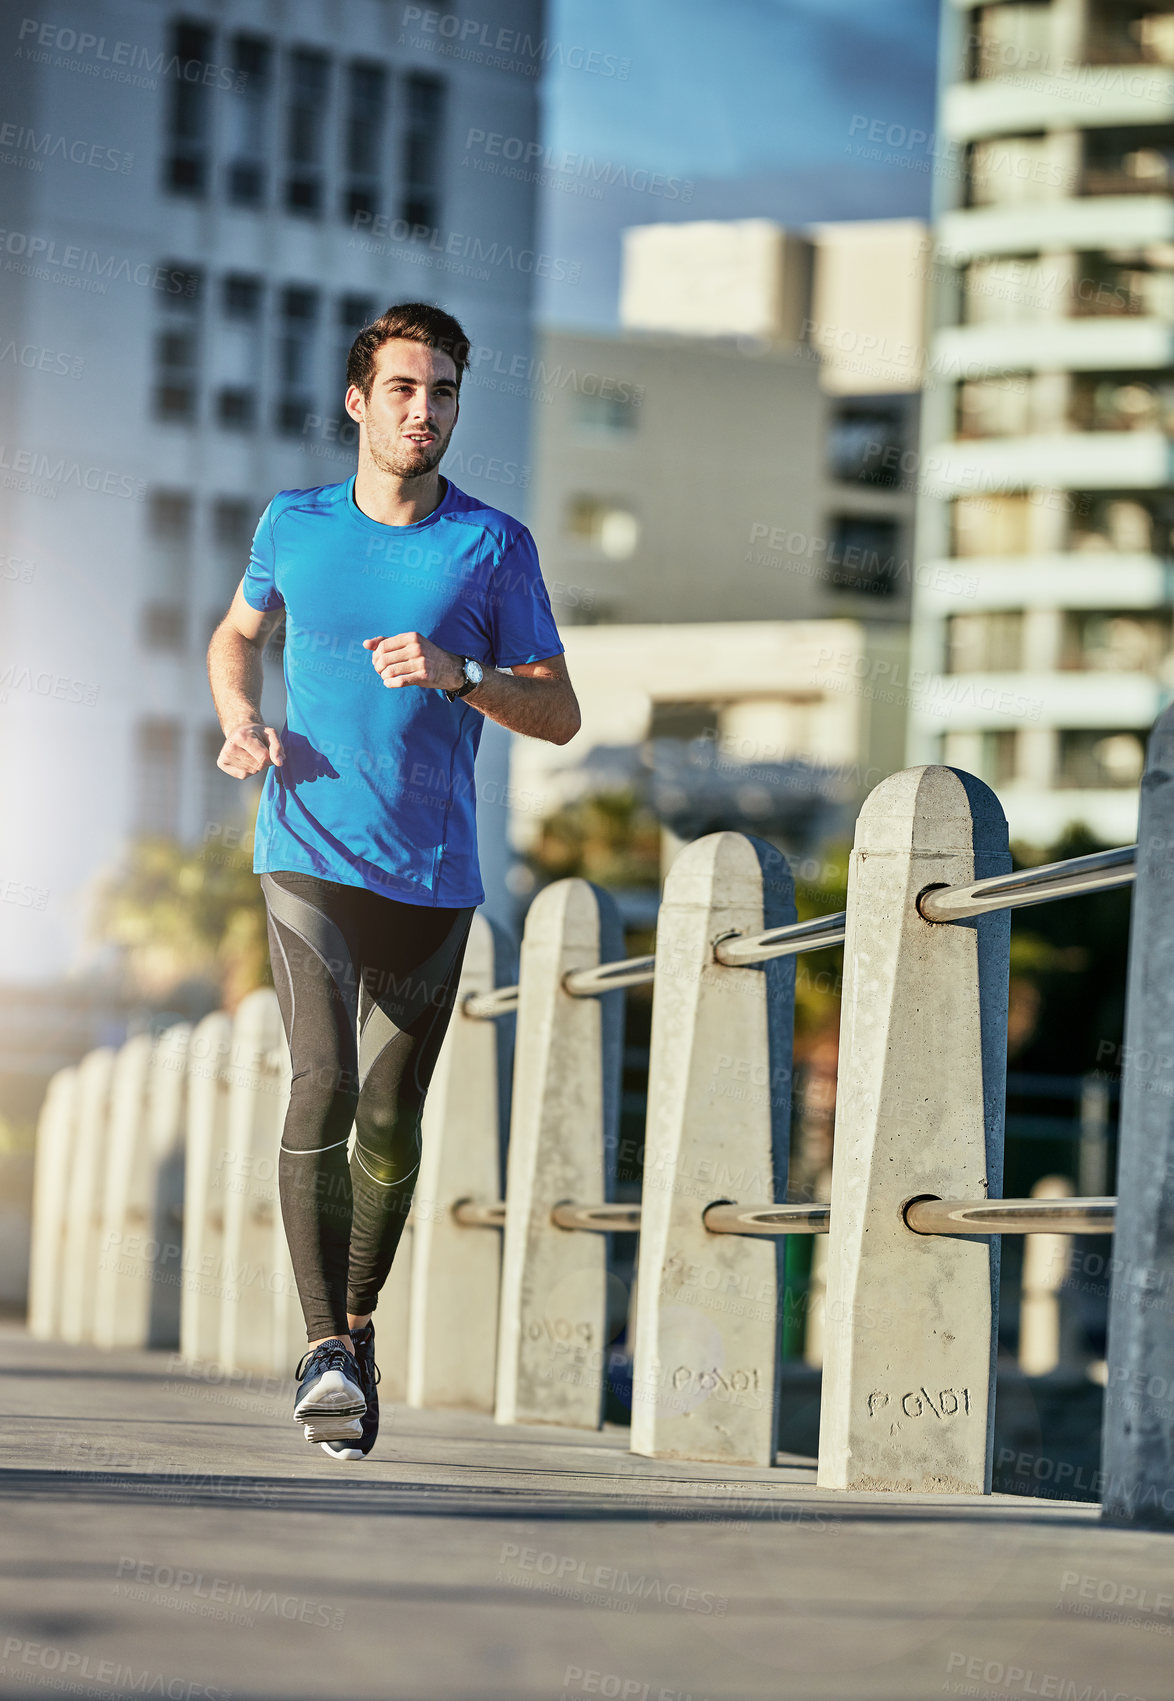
[(1042, 637), (201, 205), (721, 512)]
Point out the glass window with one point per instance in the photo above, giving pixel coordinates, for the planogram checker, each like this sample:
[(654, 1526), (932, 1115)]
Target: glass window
[(865, 445), (1129, 161), (248, 121), (189, 113), (998, 756), (366, 114), (609, 415), (170, 534), (305, 131), (1126, 641), (1016, 170), (991, 525), (296, 359), (177, 349), (423, 125), (1010, 37), (607, 526), (156, 777), (984, 643), (1096, 761), (862, 555), (238, 352)]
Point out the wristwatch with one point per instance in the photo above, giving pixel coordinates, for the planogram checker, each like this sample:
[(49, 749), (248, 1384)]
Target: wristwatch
[(474, 674)]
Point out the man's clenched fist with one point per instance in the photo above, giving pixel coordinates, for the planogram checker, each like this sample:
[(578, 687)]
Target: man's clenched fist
[(249, 748), (411, 659)]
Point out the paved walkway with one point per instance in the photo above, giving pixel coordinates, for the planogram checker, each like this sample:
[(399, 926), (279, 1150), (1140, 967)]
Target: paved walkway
[(164, 1534)]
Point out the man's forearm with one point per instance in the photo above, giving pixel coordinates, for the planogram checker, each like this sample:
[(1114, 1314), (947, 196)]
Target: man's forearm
[(539, 708), (236, 673)]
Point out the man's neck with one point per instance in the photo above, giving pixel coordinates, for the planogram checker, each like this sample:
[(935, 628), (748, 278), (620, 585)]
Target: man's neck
[(397, 501)]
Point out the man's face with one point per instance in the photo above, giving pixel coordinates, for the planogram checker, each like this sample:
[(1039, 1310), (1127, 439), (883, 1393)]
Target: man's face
[(412, 408)]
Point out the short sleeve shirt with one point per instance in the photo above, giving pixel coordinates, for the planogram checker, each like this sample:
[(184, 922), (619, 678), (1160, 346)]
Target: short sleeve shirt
[(377, 788)]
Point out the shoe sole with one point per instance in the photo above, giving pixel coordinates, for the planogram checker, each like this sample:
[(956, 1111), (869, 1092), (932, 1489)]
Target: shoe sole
[(334, 1396), (332, 1429), (350, 1454)]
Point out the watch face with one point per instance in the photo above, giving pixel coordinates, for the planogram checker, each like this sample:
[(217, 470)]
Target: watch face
[(474, 672)]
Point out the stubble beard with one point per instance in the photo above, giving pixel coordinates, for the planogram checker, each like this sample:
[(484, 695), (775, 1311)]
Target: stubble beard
[(399, 461)]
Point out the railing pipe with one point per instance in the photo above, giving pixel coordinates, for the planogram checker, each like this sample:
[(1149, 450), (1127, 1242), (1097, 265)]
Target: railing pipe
[(1096, 873), (738, 950), (598, 1219), (629, 971), (767, 1219), (472, 1213), (743, 950), (1011, 1216)]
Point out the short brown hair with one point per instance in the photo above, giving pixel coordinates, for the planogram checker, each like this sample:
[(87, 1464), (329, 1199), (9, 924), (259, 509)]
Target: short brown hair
[(414, 322)]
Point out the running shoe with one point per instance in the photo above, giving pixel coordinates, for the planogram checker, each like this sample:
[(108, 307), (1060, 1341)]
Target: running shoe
[(350, 1448), (330, 1402)]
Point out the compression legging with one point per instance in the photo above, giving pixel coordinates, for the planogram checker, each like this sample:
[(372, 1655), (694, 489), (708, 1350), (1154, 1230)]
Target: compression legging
[(366, 986)]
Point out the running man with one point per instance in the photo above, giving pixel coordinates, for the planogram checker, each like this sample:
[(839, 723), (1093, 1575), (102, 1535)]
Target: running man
[(404, 601)]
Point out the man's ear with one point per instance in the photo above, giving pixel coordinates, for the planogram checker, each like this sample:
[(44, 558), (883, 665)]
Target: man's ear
[(354, 403)]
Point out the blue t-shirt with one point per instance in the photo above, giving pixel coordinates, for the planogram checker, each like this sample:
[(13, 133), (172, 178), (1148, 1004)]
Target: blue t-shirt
[(377, 786)]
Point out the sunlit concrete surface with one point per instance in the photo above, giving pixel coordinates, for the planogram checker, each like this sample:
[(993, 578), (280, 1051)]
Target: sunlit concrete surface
[(165, 1533)]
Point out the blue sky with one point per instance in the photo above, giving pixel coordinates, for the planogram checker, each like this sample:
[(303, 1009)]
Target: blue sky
[(751, 102)]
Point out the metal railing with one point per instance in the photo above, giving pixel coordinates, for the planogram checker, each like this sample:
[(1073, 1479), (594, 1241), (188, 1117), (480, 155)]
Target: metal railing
[(1081, 874), (923, 1216), (1011, 1216), (1096, 873)]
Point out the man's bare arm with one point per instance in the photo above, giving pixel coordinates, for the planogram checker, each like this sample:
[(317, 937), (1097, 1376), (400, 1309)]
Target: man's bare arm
[(537, 698), (235, 673)]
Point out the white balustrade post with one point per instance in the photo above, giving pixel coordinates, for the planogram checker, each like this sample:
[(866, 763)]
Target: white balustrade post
[(167, 1111), (124, 1255), (86, 1184), (456, 1272), (138, 1291), (910, 1326), (719, 1100), (552, 1351), (56, 1130), (205, 1159), (256, 1117)]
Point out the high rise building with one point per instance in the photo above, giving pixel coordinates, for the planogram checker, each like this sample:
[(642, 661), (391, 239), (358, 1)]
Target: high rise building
[(202, 205), (1046, 515)]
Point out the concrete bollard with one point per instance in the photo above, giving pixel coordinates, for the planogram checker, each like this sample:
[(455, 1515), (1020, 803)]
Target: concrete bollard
[(563, 1130), (56, 1129), (168, 1132), (122, 1267), (719, 1099), (910, 1325), (136, 1302), (1138, 1433), (84, 1205), (256, 1115), (455, 1271), (1045, 1323), (205, 1157)]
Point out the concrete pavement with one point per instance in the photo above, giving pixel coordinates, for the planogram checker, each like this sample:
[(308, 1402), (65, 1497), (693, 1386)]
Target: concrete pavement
[(163, 1532)]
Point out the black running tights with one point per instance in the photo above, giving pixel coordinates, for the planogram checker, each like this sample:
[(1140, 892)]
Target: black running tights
[(366, 986)]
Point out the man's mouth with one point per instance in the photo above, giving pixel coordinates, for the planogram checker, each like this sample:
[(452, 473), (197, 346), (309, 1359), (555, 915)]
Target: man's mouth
[(420, 436)]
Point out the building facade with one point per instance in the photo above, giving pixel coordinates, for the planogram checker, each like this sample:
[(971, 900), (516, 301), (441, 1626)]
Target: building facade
[(1042, 643), (202, 205), (718, 498)]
